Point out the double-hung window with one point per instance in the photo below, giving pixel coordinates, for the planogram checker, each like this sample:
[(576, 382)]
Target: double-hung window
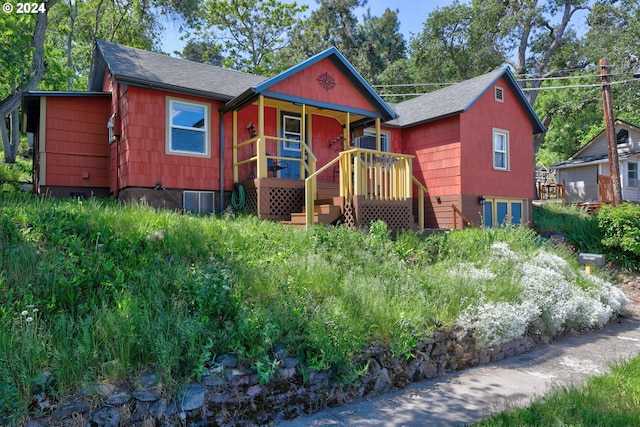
[(199, 202), (370, 134), (632, 174), (187, 128), (500, 149)]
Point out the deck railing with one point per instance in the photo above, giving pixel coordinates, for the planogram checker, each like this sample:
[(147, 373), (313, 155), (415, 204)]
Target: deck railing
[(261, 158), (372, 174)]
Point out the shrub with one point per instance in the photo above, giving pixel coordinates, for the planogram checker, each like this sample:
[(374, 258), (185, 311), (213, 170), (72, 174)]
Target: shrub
[(620, 228)]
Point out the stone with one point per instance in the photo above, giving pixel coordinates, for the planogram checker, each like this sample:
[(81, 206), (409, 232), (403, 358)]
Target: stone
[(289, 362), (146, 396), (68, 410), (42, 381), (158, 408), (149, 380), (212, 380), (383, 382), (228, 360), (280, 352), (107, 416), (100, 389), (118, 399), (192, 397)]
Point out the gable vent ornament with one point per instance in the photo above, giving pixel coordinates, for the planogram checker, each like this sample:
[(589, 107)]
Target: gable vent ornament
[(326, 81)]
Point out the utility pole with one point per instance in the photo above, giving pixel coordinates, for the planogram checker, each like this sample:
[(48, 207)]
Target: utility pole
[(610, 131)]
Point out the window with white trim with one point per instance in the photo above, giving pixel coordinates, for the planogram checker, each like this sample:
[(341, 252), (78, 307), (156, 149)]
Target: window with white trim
[(198, 202), (187, 128), (500, 149), (632, 174), (385, 145), (292, 130)]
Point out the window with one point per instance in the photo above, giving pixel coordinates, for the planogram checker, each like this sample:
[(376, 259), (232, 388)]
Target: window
[(622, 136), (292, 126), (499, 93), (188, 128), (370, 136), (499, 212), (632, 174), (500, 149), (199, 202)]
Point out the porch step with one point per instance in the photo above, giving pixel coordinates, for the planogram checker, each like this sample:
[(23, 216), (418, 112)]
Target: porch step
[(325, 214)]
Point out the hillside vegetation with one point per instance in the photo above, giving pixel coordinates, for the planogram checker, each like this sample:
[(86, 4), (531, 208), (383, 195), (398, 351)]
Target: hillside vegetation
[(95, 291)]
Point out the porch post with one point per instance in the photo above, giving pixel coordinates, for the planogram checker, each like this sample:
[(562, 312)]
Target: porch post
[(378, 133), (262, 146), (235, 146), (346, 133)]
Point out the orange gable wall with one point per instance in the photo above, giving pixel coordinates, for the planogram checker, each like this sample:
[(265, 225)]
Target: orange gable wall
[(304, 85), (477, 125), (142, 151), (77, 141), (437, 149)]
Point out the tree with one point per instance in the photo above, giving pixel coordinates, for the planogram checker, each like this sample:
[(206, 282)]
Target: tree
[(458, 42), (248, 32), (202, 51), (27, 77), (370, 46)]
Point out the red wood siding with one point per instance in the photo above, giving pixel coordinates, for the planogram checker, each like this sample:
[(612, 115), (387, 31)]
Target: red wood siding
[(477, 125), (143, 158), (437, 150), (77, 141), (304, 84)]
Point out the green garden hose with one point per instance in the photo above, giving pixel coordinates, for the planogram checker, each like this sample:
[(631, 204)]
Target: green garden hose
[(238, 197)]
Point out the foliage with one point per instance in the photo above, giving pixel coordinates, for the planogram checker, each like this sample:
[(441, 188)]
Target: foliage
[(620, 229), (606, 400), (579, 228), (247, 33), (120, 289)]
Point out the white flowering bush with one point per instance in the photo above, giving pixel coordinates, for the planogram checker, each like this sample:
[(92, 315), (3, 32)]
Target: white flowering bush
[(551, 290)]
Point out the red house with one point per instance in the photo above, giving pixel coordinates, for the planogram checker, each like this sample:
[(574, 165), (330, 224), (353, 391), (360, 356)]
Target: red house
[(312, 144)]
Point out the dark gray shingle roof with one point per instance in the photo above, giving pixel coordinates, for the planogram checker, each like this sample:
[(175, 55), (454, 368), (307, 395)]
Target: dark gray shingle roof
[(456, 99), (150, 69)]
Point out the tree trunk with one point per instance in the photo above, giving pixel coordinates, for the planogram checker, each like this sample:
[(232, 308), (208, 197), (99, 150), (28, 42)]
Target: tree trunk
[(12, 102)]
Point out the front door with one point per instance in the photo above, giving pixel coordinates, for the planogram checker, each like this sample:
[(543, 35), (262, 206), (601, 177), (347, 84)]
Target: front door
[(291, 132)]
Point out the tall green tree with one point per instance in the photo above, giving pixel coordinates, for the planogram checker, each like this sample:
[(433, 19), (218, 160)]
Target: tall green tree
[(370, 46), (23, 65), (247, 32)]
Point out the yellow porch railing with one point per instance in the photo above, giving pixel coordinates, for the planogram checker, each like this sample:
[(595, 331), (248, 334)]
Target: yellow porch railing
[(372, 174), (261, 158)]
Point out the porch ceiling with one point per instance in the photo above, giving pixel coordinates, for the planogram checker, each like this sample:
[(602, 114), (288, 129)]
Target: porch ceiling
[(340, 116)]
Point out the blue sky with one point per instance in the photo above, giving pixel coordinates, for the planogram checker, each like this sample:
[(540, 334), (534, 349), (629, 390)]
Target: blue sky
[(411, 14)]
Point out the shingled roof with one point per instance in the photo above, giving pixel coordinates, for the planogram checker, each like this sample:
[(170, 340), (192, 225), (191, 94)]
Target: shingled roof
[(149, 69), (456, 99)]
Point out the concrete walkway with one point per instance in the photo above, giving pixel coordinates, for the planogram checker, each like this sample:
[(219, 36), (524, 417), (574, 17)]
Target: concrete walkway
[(468, 396)]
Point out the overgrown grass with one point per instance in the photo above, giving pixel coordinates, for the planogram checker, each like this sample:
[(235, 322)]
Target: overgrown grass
[(579, 227), (607, 400), (120, 289)]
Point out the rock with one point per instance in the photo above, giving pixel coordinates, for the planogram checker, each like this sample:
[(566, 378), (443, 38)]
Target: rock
[(158, 408), (383, 382), (280, 352), (228, 360), (289, 362), (68, 410), (149, 380), (192, 397), (146, 396), (118, 399), (212, 380), (100, 389), (106, 417), (42, 381)]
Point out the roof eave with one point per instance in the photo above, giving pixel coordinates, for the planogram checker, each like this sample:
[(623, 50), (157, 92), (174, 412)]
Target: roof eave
[(172, 88)]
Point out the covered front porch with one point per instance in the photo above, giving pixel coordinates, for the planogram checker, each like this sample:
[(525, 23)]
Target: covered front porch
[(296, 170)]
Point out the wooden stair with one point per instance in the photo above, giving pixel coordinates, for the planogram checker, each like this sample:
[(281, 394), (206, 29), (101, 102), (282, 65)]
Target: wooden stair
[(325, 211)]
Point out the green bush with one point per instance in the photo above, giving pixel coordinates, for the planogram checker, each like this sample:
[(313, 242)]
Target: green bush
[(620, 228)]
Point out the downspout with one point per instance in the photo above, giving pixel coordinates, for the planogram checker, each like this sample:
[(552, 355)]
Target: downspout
[(221, 162)]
